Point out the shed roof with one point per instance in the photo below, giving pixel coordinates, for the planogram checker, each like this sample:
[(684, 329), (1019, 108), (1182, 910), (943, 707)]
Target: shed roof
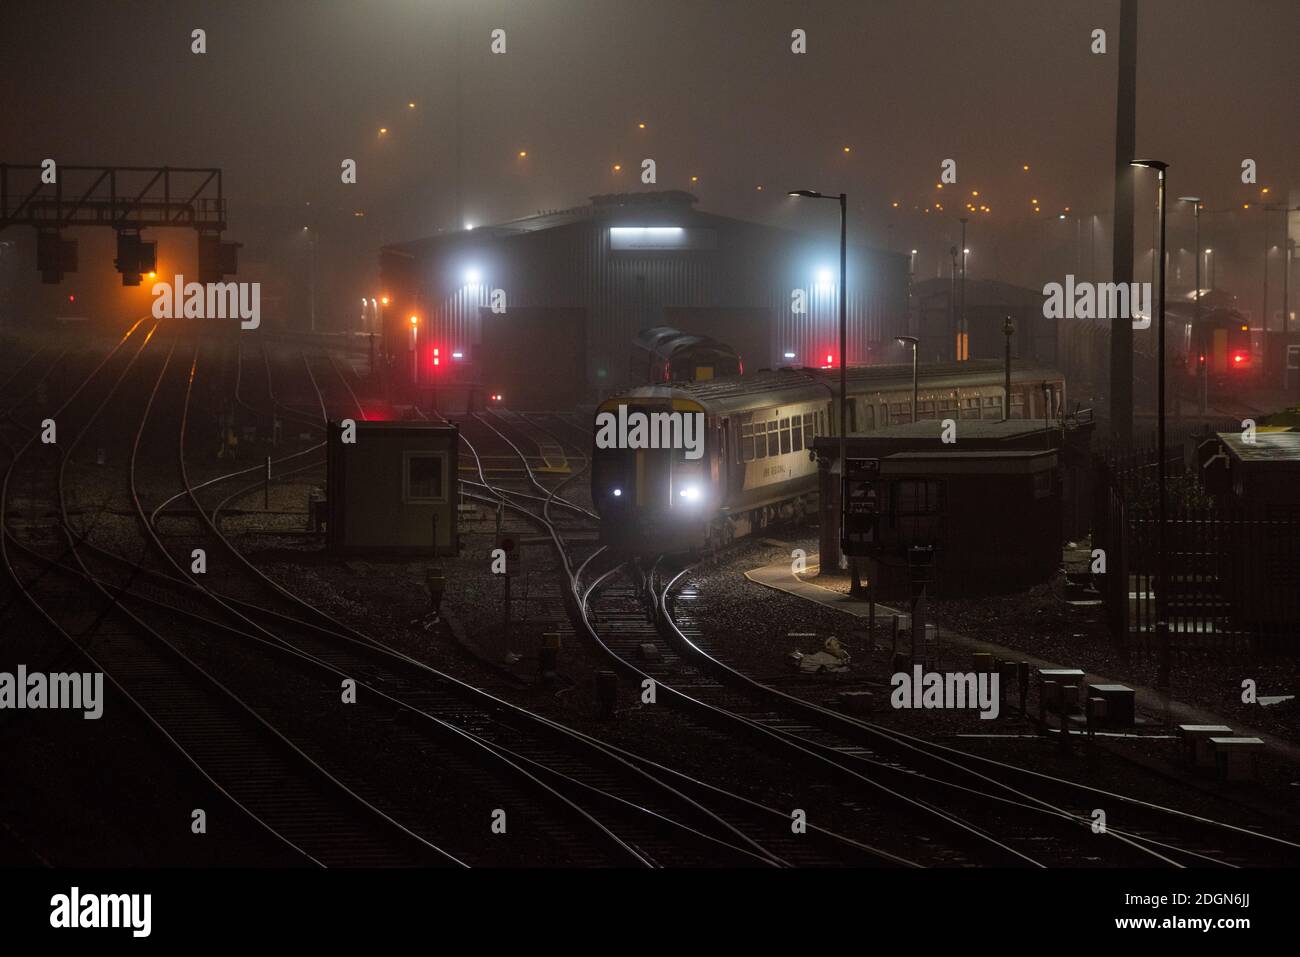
[(1268, 447)]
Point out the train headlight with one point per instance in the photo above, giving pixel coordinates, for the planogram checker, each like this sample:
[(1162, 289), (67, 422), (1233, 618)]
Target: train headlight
[(618, 492), (691, 493)]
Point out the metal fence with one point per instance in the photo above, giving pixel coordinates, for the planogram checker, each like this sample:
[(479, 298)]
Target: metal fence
[(1233, 573)]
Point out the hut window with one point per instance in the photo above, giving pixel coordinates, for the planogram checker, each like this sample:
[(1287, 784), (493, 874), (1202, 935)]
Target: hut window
[(423, 475)]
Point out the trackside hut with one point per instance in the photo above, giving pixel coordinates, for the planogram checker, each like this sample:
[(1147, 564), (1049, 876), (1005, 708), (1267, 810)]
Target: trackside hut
[(389, 489)]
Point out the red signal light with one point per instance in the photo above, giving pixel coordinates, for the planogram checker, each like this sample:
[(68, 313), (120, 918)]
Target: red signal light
[(72, 298), (830, 360)]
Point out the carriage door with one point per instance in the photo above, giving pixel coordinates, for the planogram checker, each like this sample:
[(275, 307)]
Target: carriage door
[(722, 460)]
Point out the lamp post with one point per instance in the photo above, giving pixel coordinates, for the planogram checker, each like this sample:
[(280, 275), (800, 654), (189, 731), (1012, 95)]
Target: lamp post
[(961, 315), (1201, 370), (844, 323), (1008, 330), (1162, 605), (912, 341)]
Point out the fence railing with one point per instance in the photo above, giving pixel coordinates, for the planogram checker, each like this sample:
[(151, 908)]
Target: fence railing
[(1232, 573)]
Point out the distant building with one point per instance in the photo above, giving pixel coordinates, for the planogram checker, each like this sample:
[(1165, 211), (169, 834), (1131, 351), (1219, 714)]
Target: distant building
[(628, 262), (988, 304)]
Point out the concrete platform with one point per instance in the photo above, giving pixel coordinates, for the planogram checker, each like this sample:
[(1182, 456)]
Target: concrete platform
[(781, 578)]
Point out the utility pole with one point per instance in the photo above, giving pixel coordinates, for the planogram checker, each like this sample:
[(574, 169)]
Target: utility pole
[(961, 324), (1121, 330)]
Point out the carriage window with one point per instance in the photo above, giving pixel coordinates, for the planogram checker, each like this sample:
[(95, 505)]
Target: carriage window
[(970, 408), (1017, 405), (925, 410), (809, 427), (785, 436), (747, 443), (796, 433), (773, 439), (900, 412), (868, 423), (993, 402), (760, 440)]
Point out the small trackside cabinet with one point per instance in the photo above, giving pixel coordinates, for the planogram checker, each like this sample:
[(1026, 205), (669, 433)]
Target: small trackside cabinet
[(392, 488)]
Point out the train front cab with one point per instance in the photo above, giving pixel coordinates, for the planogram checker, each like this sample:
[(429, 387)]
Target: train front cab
[(655, 499)]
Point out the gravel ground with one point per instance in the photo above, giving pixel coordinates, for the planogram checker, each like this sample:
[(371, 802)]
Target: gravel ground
[(750, 627)]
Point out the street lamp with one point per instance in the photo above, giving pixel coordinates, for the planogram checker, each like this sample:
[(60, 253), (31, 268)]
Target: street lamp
[(911, 341), (415, 350), (844, 322), (961, 322), (1162, 605), (1202, 371), (1008, 330)]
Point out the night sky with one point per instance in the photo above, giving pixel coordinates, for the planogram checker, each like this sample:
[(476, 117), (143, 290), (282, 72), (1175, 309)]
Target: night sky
[(289, 89)]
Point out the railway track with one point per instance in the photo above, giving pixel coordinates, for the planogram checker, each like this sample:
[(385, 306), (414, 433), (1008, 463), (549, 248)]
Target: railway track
[(639, 622)]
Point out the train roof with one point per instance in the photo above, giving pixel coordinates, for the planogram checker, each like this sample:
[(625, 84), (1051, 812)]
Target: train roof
[(794, 384)]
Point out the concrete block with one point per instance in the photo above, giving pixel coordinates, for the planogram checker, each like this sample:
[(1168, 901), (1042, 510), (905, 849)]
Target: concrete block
[(1237, 759), (1120, 704), (1196, 742)]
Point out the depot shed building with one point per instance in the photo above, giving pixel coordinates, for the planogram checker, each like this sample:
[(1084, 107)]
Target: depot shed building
[(578, 285), (387, 492)]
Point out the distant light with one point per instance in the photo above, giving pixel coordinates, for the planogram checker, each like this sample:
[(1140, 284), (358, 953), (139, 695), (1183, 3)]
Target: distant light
[(1061, 216), (458, 355), (913, 252), (358, 213), (1025, 167), (435, 351), (1209, 250), (618, 167), (415, 320), (1034, 201), (1067, 209), (384, 300), (469, 225), (830, 359), (938, 185), (618, 493), (759, 188), (473, 277), (1264, 190), (974, 192), (691, 493), (523, 153), (966, 252), (363, 300), (1245, 205), (824, 277), (153, 275), (695, 179), (895, 205), (383, 130), (789, 355), (847, 150), (1245, 328), (640, 126), (410, 106), (72, 298)]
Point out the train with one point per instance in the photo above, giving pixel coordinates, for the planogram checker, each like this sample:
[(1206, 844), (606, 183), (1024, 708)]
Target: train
[(1218, 345), (752, 464), (663, 354)]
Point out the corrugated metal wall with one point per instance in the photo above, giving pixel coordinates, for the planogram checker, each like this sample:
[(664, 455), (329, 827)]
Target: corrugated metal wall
[(624, 291)]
